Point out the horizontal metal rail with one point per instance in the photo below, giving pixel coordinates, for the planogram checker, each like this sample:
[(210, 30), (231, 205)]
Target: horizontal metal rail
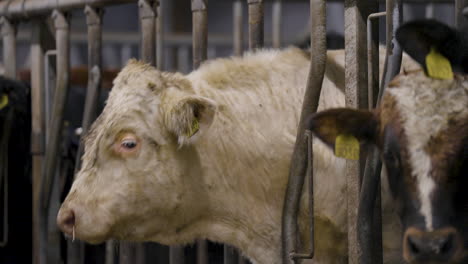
[(25, 9)]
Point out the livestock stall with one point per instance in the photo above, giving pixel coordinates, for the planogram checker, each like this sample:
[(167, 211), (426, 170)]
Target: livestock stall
[(50, 47)]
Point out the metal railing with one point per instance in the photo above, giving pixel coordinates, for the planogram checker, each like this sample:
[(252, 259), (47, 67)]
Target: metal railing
[(45, 156)]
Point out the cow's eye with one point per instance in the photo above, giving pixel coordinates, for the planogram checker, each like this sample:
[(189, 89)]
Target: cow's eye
[(128, 144)]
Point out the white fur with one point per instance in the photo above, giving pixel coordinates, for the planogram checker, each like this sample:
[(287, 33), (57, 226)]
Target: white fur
[(426, 105)]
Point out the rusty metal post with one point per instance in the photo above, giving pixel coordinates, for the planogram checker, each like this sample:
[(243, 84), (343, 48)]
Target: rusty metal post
[(373, 58), (176, 255), (460, 19), (62, 35), (238, 30), (276, 31), (230, 255), (256, 14), (200, 42), (299, 161), (356, 13), (41, 41), (160, 35), (394, 9), (199, 31), (148, 30), (9, 47)]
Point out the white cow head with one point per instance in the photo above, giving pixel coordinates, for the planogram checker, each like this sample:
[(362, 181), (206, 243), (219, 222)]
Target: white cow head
[(139, 178)]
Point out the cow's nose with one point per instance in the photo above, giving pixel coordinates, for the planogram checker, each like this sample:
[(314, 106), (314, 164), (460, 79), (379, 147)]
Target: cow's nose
[(66, 221), (438, 245)]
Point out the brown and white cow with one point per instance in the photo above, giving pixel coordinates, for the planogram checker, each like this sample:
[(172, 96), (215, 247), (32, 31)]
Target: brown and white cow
[(173, 158), (421, 129)]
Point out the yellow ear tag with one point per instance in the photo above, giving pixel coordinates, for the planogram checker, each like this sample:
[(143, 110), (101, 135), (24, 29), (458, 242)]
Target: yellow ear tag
[(438, 66), (3, 101), (347, 147), (194, 129)]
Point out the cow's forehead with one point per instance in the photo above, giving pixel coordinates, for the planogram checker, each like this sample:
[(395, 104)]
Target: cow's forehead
[(426, 108), (131, 98)]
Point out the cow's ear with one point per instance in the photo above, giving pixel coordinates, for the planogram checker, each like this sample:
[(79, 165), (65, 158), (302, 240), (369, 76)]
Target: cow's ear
[(419, 37), (329, 124), (190, 117)]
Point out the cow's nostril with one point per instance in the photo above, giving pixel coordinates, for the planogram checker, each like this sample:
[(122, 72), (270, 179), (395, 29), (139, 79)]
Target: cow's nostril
[(70, 219), (66, 221)]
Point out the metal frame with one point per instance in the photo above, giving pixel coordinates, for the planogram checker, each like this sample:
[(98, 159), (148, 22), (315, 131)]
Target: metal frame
[(361, 57), (299, 160)]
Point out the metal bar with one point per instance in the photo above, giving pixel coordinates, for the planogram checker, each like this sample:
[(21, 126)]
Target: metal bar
[(356, 13), (370, 234), (238, 39), (310, 175), (148, 30), (277, 22), (373, 58), (230, 255), (430, 10), (94, 23), (460, 19), (299, 163), (200, 31), (110, 252), (255, 24), (394, 53), (25, 9), (160, 35), (61, 22), (465, 12), (41, 40), (128, 252), (202, 251), (49, 82), (176, 255), (9, 47), (369, 213), (200, 41)]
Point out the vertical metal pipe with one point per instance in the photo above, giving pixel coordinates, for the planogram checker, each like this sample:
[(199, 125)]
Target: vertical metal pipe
[(460, 19), (110, 252), (200, 42), (176, 255), (128, 252), (394, 9), (299, 161), (256, 14), (148, 30), (356, 13), (230, 255), (429, 10), (199, 31), (41, 41), (370, 234), (238, 41), (62, 27), (94, 23), (277, 22), (9, 47), (373, 58), (160, 34)]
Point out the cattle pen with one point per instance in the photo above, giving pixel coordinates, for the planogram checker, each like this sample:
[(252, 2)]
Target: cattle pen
[(363, 89)]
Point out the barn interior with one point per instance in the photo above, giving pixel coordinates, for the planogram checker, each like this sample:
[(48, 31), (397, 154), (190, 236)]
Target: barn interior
[(30, 57)]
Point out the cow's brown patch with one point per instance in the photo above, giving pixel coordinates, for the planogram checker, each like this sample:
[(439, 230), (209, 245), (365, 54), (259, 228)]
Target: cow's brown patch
[(445, 149)]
